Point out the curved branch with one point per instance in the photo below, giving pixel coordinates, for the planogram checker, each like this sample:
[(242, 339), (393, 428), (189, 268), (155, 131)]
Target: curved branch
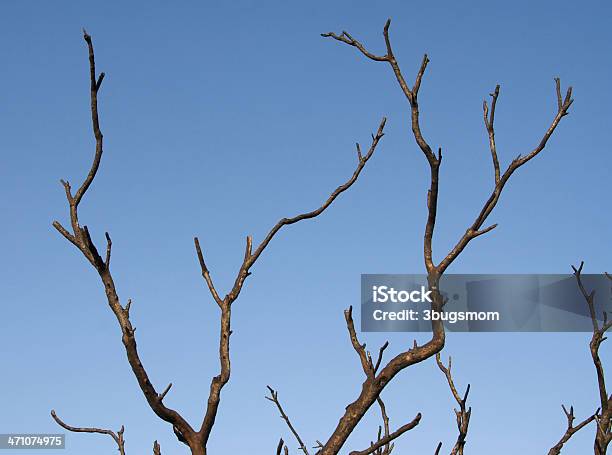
[(117, 437)]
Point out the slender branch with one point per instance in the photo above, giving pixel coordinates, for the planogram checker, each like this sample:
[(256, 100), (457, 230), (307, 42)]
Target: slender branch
[(474, 230), (388, 447), (489, 124), (571, 429), (366, 363), (206, 273), (462, 414), (385, 440), (432, 196), (339, 190), (274, 399), (94, 88), (380, 355), (117, 437), (81, 238)]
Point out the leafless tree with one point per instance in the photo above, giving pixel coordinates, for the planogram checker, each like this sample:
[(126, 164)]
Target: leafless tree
[(377, 373), (603, 415)]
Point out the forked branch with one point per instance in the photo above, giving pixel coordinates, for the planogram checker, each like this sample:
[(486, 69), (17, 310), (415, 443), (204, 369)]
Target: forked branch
[(603, 435), (462, 414), (117, 437), (377, 378), (411, 94), (81, 238), (571, 429)]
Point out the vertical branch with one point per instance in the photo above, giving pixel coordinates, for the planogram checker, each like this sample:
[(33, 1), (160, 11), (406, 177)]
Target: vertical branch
[(374, 384), (489, 124), (81, 238), (603, 435), (462, 414)]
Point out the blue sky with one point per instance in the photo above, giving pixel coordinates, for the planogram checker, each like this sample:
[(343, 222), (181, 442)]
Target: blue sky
[(221, 119)]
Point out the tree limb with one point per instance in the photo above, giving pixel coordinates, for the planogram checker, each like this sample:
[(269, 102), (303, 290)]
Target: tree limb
[(117, 437), (571, 429)]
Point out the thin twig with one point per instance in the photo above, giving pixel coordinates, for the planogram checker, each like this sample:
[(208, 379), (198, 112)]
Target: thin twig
[(274, 399), (117, 437)]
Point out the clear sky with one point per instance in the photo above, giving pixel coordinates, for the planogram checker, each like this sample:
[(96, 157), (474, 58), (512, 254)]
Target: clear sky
[(221, 119)]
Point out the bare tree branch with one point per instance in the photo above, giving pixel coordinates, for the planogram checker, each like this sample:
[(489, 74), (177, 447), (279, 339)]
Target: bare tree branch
[(603, 435), (462, 414), (117, 437), (81, 238), (489, 124), (376, 382), (250, 257), (385, 440), (388, 447), (411, 95), (274, 399), (571, 429)]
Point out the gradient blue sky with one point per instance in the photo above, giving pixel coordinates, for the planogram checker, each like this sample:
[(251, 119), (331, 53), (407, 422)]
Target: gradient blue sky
[(221, 119)]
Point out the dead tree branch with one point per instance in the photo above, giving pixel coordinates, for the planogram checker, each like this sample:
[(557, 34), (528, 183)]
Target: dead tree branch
[(376, 382), (117, 437), (274, 399), (603, 434), (81, 238), (571, 429), (387, 439), (462, 414)]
